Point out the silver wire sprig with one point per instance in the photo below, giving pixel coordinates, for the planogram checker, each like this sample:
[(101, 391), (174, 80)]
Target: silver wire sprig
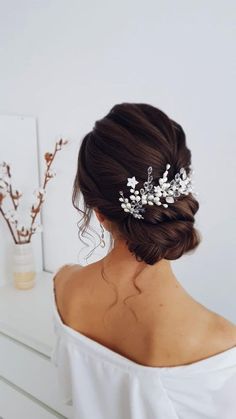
[(151, 194)]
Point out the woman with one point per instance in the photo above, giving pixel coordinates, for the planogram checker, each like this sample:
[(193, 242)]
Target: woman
[(132, 343)]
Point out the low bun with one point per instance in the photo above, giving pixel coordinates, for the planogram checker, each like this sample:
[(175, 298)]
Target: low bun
[(169, 238)]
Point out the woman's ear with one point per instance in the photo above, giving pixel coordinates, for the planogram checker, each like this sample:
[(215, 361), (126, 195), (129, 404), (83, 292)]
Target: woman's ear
[(99, 216), (103, 220)]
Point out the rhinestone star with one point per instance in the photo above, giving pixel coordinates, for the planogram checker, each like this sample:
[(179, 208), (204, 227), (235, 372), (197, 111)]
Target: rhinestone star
[(132, 182)]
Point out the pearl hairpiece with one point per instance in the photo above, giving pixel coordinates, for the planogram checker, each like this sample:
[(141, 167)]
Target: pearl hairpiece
[(150, 194)]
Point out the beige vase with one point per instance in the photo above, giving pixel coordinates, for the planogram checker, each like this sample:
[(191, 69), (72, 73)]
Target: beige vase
[(23, 266)]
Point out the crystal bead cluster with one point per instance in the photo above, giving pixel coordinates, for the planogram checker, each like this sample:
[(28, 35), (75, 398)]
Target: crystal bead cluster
[(151, 194)]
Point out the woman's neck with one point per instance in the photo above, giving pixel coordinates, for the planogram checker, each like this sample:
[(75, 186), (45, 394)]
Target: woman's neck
[(122, 267)]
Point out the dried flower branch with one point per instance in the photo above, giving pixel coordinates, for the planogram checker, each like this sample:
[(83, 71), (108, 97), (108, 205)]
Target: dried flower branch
[(19, 233)]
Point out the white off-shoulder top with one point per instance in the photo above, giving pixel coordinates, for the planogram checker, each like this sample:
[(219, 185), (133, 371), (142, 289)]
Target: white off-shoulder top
[(102, 384)]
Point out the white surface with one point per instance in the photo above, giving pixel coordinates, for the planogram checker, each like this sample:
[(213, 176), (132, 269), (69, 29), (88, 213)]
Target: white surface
[(22, 407), (179, 56), (104, 384), (26, 315), (31, 373), (27, 339), (18, 147)]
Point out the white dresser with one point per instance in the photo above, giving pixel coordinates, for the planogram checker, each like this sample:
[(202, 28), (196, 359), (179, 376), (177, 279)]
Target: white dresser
[(28, 380)]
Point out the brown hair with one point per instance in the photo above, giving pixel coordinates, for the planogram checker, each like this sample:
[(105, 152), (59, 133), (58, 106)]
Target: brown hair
[(129, 139)]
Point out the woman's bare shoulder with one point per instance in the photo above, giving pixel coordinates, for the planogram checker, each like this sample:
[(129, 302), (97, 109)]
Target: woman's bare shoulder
[(223, 331), (62, 281), (70, 280)]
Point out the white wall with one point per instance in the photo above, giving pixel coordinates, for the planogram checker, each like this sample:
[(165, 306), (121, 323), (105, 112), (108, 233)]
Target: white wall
[(69, 62)]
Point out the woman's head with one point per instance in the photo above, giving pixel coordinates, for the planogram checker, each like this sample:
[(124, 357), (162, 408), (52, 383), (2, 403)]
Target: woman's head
[(129, 139)]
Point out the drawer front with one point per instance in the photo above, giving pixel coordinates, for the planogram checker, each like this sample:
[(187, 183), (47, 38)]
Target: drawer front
[(14, 405), (31, 371)]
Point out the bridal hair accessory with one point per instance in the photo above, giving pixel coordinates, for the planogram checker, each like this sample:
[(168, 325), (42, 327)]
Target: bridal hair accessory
[(150, 194)]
